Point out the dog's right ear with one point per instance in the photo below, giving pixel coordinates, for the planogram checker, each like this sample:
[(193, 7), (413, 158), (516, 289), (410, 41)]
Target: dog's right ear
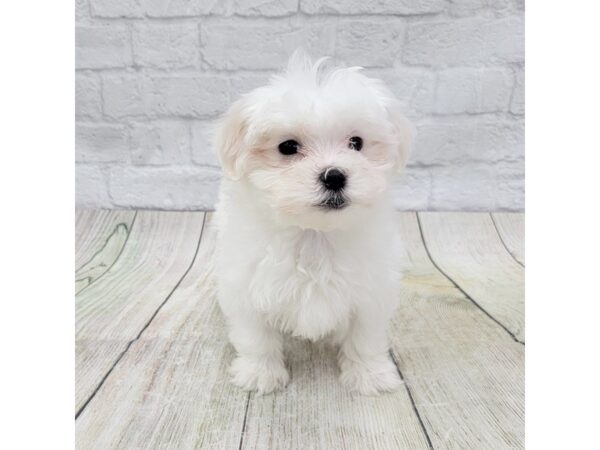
[(230, 139), (404, 133)]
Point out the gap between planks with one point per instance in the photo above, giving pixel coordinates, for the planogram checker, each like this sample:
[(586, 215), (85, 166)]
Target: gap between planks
[(244, 422), (440, 342), (249, 397), (412, 400), (82, 408), (460, 288), (112, 311), (502, 239)]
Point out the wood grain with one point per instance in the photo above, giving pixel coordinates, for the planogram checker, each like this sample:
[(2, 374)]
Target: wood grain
[(467, 248), (464, 371), (171, 388), (102, 246), (93, 229), (511, 227), (152, 351), (113, 310), (316, 412)]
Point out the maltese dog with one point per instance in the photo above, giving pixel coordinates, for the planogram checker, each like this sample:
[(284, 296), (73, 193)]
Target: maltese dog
[(306, 240)]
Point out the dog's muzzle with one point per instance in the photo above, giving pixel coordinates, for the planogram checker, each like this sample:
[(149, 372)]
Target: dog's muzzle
[(334, 201)]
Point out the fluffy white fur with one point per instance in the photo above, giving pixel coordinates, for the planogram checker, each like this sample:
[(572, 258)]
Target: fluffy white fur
[(288, 266)]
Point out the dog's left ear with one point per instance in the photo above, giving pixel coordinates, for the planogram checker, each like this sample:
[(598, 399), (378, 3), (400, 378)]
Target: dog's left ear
[(229, 140), (404, 133)]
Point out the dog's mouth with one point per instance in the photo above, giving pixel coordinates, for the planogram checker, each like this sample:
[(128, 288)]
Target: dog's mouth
[(334, 202)]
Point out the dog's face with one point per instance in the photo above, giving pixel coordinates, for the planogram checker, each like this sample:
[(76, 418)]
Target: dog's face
[(318, 148)]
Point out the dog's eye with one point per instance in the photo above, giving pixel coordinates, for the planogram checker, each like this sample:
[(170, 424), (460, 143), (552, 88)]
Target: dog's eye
[(355, 143), (289, 147)]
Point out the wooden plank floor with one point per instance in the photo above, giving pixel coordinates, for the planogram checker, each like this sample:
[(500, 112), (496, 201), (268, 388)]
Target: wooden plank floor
[(152, 352)]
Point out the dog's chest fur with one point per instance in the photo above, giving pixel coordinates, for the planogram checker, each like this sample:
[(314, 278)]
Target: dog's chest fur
[(301, 281), (306, 284)]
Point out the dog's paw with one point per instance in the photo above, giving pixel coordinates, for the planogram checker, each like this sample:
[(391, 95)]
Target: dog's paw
[(258, 375), (369, 377)]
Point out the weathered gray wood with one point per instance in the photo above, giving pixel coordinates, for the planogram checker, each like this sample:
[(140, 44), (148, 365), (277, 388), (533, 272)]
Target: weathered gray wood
[(467, 248), (171, 388), (93, 228), (114, 309), (100, 238), (511, 227), (464, 371), (315, 411)]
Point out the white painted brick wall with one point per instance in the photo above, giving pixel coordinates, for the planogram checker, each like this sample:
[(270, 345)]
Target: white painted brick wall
[(152, 75)]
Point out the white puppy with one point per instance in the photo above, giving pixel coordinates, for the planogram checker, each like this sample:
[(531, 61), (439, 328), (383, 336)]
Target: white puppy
[(307, 244)]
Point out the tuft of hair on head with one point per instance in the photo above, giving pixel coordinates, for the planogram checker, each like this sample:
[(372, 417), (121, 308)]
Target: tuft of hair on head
[(302, 69), (301, 62)]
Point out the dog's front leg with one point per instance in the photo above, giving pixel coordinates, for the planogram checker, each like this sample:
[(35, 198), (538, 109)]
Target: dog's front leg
[(364, 359), (259, 363)]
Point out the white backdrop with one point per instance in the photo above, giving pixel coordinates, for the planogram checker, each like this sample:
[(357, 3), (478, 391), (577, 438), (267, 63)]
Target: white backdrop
[(152, 75)]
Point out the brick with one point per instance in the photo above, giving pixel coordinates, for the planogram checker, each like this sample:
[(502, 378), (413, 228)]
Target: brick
[(91, 187), (414, 88), (82, 12), (369, 43), (482, 187), (411, 190), (101, 142), (203, 151), (465, 41), (88, 97), (160, 143), (457, 142), (166, 46), (517, 104), (199, 96), (403, 7), (117, 8), (244, 83), (473, 91), (124, 96), (102, 47), (186, 8), (196, 96), (264, 45), (174, 187)]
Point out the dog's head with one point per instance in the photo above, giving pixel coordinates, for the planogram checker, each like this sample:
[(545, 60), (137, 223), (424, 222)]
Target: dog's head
[(318, 146)]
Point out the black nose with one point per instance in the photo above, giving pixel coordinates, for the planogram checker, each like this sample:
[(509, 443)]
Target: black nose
[(333, 179)]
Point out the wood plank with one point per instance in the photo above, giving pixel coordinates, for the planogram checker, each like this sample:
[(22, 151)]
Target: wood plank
[(100, 238), (467, 248), (316, 411), (171, 389), (93, 228), (112, 311), (465, 373), (511, 228)]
